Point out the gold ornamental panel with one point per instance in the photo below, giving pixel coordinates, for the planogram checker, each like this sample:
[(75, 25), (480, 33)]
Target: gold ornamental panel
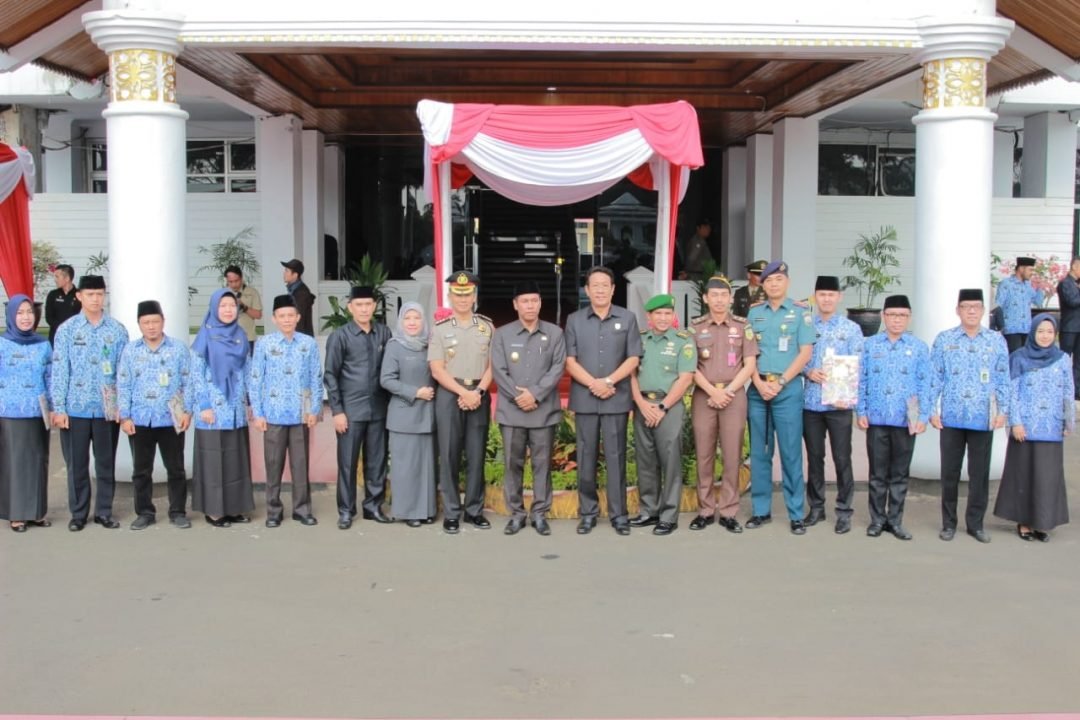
[(148, 75), (954, 82)]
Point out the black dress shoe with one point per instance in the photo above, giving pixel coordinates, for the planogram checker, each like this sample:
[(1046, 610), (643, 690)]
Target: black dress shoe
[(875, 530), (273, 522), (180, 521), (143, 521), (514, 526), (1041, 536), (76, 525), (757, 521), (428, 520), (979, 535), (815, 516), (344, 522), (663, 528), (20, 528), (900, 532), (308, 520), (451, 527), (1025, 535), (478, 521), (700, 523), (541, 525), (106, 522), (643, 521), (622, 527), (224, 522), (843, 525), (586, 525), (39, 523), (414, 523), (947, 534), (798, 527), (730, 524), (378, 516), (238, 519)]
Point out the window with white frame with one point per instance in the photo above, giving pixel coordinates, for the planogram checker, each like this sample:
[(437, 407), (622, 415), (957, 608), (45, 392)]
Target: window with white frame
[(213, 166)]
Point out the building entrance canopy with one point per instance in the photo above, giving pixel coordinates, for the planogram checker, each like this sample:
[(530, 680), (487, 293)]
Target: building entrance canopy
[(557, 155)]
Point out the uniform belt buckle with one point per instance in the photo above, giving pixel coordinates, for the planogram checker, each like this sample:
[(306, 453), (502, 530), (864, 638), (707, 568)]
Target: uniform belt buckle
[(719, 385), (468, 381), (771, 377), (651, 396)]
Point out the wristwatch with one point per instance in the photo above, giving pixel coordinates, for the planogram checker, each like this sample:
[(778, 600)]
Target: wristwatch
[(609, 382), (662, 406), (782, 380), (481, 392)]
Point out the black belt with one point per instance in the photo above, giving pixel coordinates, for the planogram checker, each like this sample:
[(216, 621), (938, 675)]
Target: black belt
[(654, 395), (770, 377), (467, 383)]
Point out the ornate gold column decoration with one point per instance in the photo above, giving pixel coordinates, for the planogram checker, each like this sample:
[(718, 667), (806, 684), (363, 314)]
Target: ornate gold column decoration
[(954, 83), (140, 74)]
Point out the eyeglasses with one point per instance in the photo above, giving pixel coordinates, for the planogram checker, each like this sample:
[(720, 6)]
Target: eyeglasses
[(895, 315), (968, 307)]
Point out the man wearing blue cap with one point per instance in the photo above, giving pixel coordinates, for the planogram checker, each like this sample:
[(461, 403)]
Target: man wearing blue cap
[(662, 379), (785, 337)]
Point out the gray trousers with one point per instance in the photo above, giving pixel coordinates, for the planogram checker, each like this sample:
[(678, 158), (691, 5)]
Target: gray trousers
[(369, 436), (612, 428), (458, 430), (659, 464), (539, 442), (278, 440)]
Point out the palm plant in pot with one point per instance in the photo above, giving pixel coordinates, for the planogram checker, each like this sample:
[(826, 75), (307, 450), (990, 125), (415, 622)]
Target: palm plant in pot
[(872, 261)]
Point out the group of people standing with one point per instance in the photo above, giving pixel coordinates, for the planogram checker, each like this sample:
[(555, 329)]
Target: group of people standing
[(419, 401)]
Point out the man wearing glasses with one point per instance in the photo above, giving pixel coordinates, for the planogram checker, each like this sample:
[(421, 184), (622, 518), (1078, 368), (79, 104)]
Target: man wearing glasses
[(969, 394)]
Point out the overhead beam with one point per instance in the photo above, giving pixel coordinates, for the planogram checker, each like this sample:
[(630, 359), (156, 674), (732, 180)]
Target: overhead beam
[(405, 97), (49, 37), (1045, 54)]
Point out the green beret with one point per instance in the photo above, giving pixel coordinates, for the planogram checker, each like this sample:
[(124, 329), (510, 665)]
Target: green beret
[(657, 302)]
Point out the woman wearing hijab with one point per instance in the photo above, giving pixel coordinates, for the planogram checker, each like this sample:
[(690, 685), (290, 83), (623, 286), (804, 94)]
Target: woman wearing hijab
[(25, 358), (1041, 413), (221, 480), (410, 418)]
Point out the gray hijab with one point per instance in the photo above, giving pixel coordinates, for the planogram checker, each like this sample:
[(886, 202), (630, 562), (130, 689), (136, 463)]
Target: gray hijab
[(416, 342)]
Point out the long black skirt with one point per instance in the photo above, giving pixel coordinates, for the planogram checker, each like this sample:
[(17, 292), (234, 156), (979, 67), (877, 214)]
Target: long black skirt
[(221, 480), (24, 469), (1032, 490)]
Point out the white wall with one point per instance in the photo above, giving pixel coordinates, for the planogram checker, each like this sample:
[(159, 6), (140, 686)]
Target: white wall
[(77, 224)]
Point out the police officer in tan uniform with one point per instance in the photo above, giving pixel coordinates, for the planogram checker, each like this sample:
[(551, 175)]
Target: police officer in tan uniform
[(459, 356), (727, 358)]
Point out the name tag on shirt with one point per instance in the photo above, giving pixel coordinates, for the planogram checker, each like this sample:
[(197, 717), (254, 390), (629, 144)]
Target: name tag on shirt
[(984, 375), (784, 343), (106, 367), (163, 379)]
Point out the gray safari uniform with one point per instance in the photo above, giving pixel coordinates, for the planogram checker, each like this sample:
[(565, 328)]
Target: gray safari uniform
[(465, 349), (534, 361), (601, 345)]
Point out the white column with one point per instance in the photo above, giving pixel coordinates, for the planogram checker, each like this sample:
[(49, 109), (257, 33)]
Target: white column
[(794, 200), (759, 171), (733, 212), (278, 153), (333, 197), (145, 133), (954, 151), (1003, 163), (58, 177), (1048, 169), (312, 176)]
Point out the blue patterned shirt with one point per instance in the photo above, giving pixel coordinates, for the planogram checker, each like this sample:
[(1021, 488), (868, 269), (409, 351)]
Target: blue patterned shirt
[(149, 378), (967, 375), (838, 334), (85, 359), (285, 374), (890, 373), (228, 415), (24, 378), (1016, 299), (1042, 401)]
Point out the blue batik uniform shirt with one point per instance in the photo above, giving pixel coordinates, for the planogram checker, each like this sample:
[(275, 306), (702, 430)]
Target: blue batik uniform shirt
[(1016, 299), (149, 378), (85, 360), (840, 335), (229, 414), (967, 375), (284, 375), (24, 378), (890, 374), (1042, 401)]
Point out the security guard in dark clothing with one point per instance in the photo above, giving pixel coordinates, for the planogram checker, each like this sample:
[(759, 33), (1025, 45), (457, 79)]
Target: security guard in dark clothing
[(752, 293), (460, 357)]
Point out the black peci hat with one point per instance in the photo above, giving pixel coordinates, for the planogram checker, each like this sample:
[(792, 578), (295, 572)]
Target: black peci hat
[(970, 294), (149, 307), (897, 301), (91, 282), (827, 282), (284, 301), (361, 292)]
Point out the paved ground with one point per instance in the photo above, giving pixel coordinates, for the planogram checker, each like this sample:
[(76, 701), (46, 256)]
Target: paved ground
[(393, 622)]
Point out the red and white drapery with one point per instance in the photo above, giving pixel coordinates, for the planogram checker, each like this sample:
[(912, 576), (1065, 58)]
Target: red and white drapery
[(556, 155), (16, 190)]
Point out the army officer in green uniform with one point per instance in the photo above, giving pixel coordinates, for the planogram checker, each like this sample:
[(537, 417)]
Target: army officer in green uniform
[(785, 337), (662, 379)]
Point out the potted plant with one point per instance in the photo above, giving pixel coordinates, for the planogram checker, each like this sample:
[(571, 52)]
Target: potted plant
[(233, 250), (45, 258), (872, 260), (367, 273)]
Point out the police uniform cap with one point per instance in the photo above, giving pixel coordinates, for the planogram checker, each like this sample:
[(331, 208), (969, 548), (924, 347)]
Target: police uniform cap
[(656, 302), (717, 282), (361, 292), (149, 307), (284, 301), (827, 282), (757, 266), (897, 301), (773, 268), (969, 294), (462, 282), (91, 282)]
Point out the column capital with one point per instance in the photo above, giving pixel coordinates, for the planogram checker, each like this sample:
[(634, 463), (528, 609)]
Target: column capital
[(142, 48), (972, 36), (115, 30)]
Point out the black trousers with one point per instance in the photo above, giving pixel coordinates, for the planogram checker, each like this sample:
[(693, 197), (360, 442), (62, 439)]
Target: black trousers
[(171, 447), (837, 423), (611, 429), (1015, 341), (75, 443), (457, 430), (1070, 343), (370, 437), (977, 445), (889, 451)]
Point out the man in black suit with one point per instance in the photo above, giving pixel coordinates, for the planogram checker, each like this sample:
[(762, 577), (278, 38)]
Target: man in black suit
[(61, 303), (1068, 291), (301, 295)]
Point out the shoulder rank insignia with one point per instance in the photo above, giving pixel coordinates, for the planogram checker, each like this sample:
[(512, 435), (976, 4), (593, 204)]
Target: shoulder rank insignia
[(699, 319), (749, 333), (682, 333)]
